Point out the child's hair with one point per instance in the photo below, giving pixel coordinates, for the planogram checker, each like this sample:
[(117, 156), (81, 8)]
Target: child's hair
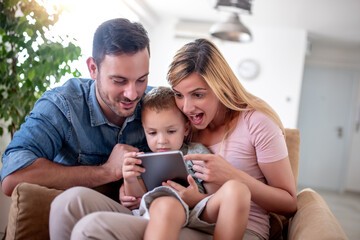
[(158, 99)]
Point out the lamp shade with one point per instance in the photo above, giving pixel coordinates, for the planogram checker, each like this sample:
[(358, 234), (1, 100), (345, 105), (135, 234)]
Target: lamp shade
[(231, 30)]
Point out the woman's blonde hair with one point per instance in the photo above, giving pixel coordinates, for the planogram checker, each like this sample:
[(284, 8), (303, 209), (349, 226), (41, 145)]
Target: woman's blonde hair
[(203, 57)]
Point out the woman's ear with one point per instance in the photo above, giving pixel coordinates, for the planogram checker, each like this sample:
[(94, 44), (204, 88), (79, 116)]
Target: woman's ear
[(93, 69)]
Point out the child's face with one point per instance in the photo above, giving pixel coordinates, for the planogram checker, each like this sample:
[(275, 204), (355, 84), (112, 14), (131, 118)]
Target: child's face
[(165, 130)]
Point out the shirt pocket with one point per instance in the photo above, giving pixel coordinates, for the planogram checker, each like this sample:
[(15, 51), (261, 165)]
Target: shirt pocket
[(92, 158)]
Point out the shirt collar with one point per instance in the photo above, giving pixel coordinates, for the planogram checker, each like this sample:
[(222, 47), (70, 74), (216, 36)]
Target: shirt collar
[(98, 118)]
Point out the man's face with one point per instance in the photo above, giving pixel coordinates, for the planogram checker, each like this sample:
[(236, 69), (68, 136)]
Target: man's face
[(121, 81)]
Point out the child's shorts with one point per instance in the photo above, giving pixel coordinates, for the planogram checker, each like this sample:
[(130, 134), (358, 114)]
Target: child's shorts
[(192, 215)]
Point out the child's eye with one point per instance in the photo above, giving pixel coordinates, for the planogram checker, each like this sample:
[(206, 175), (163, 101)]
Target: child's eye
[(151, 133), (172, 131)]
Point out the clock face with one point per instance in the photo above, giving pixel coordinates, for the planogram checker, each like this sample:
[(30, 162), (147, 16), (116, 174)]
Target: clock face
[(248, 69)]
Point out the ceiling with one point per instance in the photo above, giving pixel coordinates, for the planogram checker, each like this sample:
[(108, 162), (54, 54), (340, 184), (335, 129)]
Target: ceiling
[(326, 21)]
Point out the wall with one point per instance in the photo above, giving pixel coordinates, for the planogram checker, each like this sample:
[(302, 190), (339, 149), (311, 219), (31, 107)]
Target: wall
[(280, 53), (345, 56)]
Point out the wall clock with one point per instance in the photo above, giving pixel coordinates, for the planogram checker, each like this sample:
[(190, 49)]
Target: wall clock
[(248, 69)]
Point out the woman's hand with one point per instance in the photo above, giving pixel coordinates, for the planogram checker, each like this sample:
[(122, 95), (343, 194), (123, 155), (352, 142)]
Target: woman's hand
[(130, 202), (212, 168), (190, 195)]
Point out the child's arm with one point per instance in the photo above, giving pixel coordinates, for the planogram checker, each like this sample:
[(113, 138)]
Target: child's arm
[(131, 171)]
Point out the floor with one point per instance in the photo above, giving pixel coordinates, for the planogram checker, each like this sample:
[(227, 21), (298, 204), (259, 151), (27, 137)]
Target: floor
[(346, 209)]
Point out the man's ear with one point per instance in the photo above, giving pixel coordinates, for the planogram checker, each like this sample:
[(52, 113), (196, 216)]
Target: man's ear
[(93, 69)]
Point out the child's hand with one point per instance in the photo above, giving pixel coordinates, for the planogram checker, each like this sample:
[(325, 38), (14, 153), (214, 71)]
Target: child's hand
[(131, 169), (190, 195)]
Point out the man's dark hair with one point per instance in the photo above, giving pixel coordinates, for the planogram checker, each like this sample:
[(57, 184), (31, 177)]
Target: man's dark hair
[(119, 36)]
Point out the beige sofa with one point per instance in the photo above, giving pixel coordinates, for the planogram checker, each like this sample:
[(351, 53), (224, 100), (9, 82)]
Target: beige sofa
[(29, 211)]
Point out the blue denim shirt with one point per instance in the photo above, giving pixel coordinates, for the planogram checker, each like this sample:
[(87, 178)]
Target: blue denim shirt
[(68, 127)]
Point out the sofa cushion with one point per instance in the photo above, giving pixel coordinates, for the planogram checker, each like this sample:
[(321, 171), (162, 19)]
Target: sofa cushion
[(29, 212), (30, 208)]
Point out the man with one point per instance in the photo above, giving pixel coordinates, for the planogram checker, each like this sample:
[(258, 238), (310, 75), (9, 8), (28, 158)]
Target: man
[(77, 134)]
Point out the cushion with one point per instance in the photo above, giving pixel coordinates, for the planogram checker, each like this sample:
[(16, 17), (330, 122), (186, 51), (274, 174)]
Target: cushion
[(30, 208), (29, 212)]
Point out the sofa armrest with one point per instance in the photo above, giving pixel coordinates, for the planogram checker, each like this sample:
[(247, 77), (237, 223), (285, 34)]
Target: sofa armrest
[(313, 219)]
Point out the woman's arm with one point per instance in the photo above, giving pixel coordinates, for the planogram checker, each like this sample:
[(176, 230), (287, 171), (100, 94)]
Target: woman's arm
[(279, 196)]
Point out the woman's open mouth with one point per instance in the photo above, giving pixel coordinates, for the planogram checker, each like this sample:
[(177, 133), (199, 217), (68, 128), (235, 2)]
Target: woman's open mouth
[(196, 119)]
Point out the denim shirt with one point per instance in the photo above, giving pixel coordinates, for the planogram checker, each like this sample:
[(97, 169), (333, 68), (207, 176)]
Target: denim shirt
[(67, 126)]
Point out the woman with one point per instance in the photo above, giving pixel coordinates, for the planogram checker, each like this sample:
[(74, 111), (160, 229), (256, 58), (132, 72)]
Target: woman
[(244, 133)]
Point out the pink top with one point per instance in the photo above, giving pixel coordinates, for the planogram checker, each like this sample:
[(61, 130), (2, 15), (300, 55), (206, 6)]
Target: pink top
[(255, 139)]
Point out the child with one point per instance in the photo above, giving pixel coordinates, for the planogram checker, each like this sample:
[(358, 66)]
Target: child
[(172, 206)]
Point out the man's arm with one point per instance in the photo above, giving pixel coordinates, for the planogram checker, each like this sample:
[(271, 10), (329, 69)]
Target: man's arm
[(47, 173)]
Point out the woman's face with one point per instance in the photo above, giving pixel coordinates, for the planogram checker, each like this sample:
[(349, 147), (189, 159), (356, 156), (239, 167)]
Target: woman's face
[(196, 100)]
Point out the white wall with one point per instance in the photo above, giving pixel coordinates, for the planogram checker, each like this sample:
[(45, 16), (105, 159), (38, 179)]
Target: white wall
[(280, 53), (344, 57)]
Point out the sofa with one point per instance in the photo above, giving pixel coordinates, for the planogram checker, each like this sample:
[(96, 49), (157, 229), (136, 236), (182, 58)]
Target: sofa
[(29, 210)]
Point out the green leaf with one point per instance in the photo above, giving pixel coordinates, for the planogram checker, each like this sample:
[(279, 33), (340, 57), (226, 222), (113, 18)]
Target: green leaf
[(29, 32), (19, 94), (31, 74)]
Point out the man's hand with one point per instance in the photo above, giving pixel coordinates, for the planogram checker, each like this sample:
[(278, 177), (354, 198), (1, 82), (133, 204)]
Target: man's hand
[(128, 201), (115, 162)]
